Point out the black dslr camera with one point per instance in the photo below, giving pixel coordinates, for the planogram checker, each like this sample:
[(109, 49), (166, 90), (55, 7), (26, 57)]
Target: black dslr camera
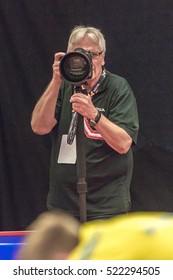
[(76, 67)]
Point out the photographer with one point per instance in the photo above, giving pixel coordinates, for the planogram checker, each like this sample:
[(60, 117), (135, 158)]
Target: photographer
[(110, 127)]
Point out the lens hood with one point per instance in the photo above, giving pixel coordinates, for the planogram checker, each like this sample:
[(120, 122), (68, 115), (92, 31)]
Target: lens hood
[(76, 66)]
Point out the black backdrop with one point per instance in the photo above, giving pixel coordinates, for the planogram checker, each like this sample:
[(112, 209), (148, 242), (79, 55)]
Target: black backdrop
[(139, 38)]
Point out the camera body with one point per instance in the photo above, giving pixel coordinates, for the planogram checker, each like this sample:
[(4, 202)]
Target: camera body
[(76, 66)]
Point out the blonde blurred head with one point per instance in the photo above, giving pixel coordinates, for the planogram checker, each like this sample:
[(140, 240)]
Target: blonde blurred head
[(52, 236)]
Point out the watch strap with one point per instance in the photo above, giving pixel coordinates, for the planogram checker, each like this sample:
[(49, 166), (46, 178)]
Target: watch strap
[(96, 120)]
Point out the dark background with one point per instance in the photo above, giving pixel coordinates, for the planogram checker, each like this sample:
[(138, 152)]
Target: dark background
[(139, 35)]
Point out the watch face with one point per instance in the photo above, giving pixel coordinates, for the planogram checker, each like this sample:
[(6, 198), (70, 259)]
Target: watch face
[(92, 123)]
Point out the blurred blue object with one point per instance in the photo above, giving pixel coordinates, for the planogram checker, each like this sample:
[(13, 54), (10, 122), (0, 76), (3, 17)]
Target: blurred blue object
[(9, 244)]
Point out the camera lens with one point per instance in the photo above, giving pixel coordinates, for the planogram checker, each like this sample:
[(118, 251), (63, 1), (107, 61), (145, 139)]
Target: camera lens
[(76, 66)]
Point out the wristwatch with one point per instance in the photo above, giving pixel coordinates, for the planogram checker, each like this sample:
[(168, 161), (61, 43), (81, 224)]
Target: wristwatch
[(96, 120)]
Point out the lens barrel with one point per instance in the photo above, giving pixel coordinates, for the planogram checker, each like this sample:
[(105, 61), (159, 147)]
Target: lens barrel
[(76, 67)]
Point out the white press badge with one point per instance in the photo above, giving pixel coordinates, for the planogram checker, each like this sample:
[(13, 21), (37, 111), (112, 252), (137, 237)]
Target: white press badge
[(67, 153)]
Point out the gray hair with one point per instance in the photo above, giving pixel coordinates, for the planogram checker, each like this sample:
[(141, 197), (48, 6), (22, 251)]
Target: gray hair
[(79, 32)]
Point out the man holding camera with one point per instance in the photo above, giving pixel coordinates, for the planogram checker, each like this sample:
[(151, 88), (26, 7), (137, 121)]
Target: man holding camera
[(110, 118)]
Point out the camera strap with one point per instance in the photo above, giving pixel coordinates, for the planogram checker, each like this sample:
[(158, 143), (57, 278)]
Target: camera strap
[(74, 121), (98, 84), (96, 87)]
